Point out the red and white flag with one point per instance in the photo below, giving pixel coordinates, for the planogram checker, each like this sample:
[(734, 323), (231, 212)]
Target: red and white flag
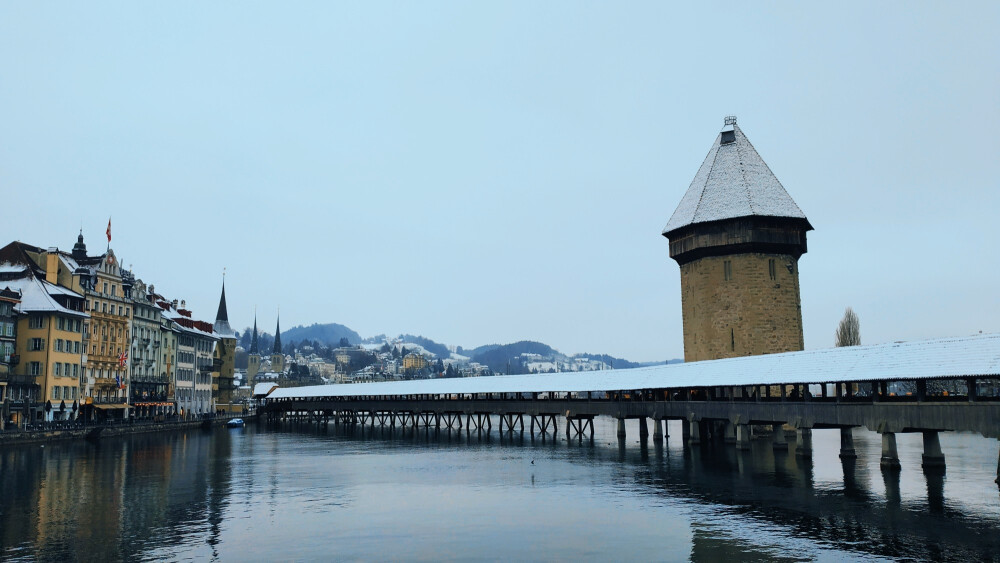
[(122, 359), (109, 229)]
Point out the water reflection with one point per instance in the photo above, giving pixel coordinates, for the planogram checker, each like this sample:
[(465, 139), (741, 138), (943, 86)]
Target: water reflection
[(379, 491)]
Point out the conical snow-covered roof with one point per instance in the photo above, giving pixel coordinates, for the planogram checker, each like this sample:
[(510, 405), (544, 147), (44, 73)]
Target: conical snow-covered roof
[(733, 182), (222, 317)]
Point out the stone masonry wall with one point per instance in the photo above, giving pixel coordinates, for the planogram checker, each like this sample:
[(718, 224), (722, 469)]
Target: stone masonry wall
[(748, 314)]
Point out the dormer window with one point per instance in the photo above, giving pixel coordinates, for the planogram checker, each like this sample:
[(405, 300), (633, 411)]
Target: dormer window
[(728, 137)]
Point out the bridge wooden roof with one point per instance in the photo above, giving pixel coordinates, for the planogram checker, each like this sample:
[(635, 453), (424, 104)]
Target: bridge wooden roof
[(974, 356)]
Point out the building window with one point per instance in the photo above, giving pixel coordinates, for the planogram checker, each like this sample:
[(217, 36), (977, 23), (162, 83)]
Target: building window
[(59, 345), (727, 270), (55, 392), (61, 323), (35, 368), (105, 287), (104, 307), (732, 339), (76, 370), (36, 321), (772, 270), (113, 289), (76, 347), (58, 370), (36, 344)]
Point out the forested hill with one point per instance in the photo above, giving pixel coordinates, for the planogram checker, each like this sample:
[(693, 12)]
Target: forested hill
[(329, 333)]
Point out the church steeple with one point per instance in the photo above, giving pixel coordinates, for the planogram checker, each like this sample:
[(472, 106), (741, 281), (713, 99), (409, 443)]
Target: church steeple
[(277, 357), (222, 316), (254, 350)]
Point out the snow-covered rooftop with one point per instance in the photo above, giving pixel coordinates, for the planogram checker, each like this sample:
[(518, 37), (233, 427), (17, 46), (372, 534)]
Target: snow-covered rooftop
[(928, 359), (264, 388), (732, 182), (36, 296), (8, 268)]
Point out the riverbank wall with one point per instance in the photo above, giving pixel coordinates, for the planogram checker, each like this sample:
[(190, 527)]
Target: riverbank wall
[(103, 432)]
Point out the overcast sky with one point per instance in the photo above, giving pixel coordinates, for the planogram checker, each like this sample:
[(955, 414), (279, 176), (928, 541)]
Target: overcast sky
[(485, 174)]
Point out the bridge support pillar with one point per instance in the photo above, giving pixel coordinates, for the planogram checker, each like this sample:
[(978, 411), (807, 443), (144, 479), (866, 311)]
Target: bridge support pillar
[(730, 433), (742, 436), (998, 470), (621, 428), (847, 444), (657, 430), (694, 432), (890, 457), (933, 458), (778, 438), (643, 430), (803, 442)]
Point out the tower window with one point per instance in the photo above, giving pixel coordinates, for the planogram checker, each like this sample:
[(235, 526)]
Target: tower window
[(727, 270), (771, 269), (732, 339), (728, 137)]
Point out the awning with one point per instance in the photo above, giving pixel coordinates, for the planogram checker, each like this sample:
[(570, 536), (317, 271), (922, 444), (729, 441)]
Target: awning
[(104, 407), (157, 404)]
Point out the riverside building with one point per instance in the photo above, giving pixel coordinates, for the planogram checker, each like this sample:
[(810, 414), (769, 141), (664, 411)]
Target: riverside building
[(49, 338)]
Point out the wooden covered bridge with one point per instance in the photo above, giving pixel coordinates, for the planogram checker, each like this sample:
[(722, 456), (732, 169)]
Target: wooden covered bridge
[(931, 386)]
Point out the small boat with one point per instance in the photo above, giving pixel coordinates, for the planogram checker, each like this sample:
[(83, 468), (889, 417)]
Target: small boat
[(235, 423)]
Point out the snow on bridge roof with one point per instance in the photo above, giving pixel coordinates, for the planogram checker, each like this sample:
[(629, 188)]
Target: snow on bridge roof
[(928, 359)]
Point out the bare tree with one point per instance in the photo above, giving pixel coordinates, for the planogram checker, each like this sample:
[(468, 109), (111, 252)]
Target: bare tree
[(849, 330)]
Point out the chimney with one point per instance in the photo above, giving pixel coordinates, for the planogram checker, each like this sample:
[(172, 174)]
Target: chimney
[(52, 265), (173, 303), (183, 304)]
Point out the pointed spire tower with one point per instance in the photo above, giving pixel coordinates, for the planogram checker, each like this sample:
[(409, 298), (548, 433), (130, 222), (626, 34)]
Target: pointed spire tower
[(737, 236), (225, 353), (277, 357), (253, 358), (222, 327), (277, 337), (254, 347)]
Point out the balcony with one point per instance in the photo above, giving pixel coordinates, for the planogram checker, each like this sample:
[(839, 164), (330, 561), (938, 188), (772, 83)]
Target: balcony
[(12, 379), (11, 359)]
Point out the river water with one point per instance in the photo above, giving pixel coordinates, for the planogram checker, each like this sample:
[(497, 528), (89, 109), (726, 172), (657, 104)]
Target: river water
[(352, 493)]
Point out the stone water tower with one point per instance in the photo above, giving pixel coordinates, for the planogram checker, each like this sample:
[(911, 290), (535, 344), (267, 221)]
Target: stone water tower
[(737, 236)]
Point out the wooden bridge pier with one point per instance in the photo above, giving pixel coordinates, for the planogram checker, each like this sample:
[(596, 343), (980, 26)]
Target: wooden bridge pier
[(510, 421), (452, 420), (478, 420), (543, 421), (576, 426)]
